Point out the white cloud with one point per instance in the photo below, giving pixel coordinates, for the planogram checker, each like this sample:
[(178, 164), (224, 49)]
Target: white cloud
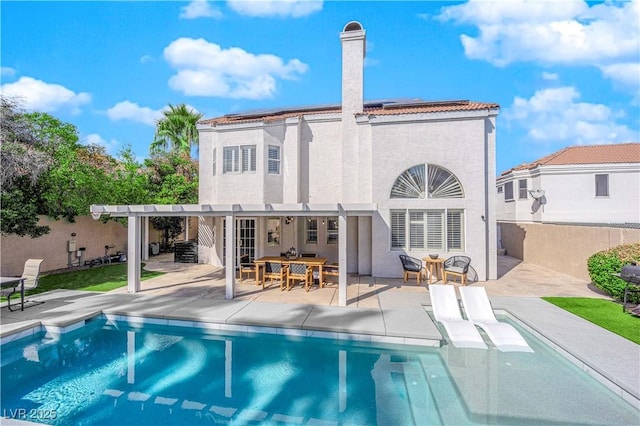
[(549, 76), (558, 32), (146, 59), (127, 110), (199, 9), (627, 74), (280, 8), (7, 72), (555, 115), (206, 69), (38, 95), (110, 146)]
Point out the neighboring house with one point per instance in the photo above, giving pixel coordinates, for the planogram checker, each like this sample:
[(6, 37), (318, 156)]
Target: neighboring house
[(558, 211), (596, 184), (357, 182)]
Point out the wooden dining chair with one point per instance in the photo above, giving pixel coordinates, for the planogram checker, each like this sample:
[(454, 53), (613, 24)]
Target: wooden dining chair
[(330, 273), (299, 271), (275, 271), (247, 267)]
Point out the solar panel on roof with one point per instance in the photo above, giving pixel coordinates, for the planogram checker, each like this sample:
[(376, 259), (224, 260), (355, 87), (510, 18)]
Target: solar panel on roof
[(263, 112)]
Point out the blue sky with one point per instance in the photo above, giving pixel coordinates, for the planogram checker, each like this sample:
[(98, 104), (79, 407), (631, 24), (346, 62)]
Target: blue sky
[(564, 73)]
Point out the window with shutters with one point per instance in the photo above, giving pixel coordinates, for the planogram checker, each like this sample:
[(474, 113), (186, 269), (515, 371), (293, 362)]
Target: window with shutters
[(427, 181), (239, 159), (273, 160), (420, 230), (214, 161), (398, 229), (435, 230), (248, 158), (455, 231), (522, 189), (230, 159)]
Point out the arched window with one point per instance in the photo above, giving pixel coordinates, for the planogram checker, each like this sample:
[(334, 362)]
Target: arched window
[(438, 183)]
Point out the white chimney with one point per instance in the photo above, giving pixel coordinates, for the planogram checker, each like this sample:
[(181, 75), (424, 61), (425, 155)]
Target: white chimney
[(353, 52)]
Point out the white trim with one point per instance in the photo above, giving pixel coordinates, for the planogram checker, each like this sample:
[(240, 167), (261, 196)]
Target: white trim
[(299, 209), (427, 116)]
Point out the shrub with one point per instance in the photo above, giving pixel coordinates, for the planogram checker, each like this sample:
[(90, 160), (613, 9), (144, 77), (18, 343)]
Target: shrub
[(603, 264)]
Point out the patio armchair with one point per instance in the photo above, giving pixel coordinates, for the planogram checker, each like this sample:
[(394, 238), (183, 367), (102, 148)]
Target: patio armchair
[(30, 274), (275, 270), (411, 265), (299, 271), (332, 271), (458, 266)]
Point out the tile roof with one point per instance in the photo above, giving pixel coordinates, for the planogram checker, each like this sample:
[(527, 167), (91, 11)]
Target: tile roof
[(587, 154), (371, 108)]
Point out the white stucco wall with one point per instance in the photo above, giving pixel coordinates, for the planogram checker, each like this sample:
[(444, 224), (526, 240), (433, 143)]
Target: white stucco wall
[(323, 136), (458, 146)]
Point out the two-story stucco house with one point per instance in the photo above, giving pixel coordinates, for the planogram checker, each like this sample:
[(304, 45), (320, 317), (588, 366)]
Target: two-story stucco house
[(594, 184), (359, 182), (412, 176)]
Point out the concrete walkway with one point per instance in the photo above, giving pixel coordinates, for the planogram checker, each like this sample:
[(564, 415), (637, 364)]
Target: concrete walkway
[(387, 310)]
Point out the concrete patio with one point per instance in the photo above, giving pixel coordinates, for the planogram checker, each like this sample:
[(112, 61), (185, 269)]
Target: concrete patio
[(515, 279)]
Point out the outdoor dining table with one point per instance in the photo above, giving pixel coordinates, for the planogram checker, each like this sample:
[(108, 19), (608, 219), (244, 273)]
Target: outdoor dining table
[(314, 262), (434, 265), (11, 282)]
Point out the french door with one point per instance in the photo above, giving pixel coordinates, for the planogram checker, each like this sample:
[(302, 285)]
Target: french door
[(245, 239)]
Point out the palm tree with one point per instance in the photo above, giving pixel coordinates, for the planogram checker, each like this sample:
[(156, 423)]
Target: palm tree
[(177, 130)]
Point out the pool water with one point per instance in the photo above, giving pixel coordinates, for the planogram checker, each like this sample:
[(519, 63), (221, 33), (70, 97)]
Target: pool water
[(109, 373)]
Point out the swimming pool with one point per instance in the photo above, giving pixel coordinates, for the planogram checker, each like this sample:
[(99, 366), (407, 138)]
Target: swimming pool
[(112, 372)]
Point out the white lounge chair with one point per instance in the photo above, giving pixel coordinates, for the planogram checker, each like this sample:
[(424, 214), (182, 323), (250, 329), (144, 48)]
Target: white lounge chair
[(446, 310), (30, 274), (478, 310)]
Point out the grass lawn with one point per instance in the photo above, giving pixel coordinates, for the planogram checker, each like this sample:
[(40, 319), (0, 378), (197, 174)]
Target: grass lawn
[(100, 278), (605, 313)]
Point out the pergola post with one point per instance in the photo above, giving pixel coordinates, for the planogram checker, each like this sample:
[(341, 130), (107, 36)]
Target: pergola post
[(342, 257), (133, 254), (145, 238), (230, 263)]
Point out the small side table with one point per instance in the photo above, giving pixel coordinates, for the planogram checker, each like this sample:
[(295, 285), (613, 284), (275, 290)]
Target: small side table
[(434, 265)]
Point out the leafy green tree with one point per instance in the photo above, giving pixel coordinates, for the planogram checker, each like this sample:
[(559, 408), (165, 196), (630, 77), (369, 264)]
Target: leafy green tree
[(70, 185), (177, 131), (21, 153), (174, 180), (46, 171), (131, 180)]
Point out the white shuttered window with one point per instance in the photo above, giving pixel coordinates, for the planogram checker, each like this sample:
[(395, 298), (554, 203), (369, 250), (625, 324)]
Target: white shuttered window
[(230, 159), (435, 230), (455, 230), (273, 161), (239, 159), (441, 230), (398, 229), (248, 158)]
